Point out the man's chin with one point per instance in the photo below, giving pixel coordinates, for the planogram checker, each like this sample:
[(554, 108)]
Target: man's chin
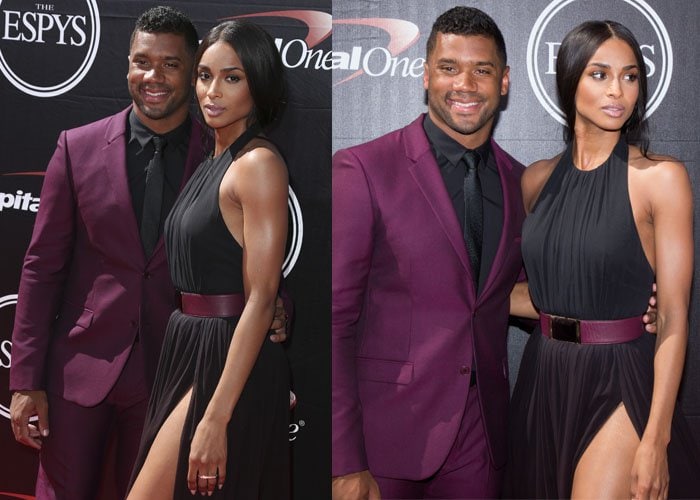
[(154, 113), (467, 127), (464, 129), (460, 125)]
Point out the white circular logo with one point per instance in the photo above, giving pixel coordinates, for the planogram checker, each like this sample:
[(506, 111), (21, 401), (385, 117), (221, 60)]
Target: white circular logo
[(544, 42), (296, 236), (7, 300), (31, 33)]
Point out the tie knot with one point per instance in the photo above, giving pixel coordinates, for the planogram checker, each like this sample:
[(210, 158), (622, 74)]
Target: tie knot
[(159, 143), (471, 159)]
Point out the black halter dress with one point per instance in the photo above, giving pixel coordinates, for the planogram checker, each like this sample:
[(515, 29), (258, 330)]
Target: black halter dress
[(584, 260), (204, 258)]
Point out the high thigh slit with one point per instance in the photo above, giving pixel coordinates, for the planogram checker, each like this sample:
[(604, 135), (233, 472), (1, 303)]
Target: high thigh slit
[(204, 258), (603, 469), (584, 260)]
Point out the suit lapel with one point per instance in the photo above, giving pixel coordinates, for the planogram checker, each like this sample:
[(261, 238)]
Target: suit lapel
[(113, 162), (510, 185), (426, 173)]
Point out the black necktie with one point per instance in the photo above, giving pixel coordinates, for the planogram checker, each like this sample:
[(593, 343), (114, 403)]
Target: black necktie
[(153, 197), (473, 211)]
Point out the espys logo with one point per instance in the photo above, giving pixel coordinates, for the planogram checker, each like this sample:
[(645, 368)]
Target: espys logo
[(6, 347), (32, 33), (378, 60), (560, 16), (297, 52)]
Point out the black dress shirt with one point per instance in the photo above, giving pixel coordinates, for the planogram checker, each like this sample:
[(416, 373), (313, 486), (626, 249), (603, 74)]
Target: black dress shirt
[(448, 154), (139, 151)]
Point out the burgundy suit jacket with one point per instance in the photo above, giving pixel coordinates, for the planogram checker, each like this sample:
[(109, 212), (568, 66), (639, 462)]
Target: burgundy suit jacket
[(86, 288), (407, 325)]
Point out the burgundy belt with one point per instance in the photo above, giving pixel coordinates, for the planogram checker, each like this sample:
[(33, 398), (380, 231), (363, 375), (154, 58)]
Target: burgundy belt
[(212, 306), (591, 332)]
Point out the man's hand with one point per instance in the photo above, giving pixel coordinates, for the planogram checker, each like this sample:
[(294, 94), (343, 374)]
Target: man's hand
[(279, 322), (649, 317), (26, 404), (355, 486)]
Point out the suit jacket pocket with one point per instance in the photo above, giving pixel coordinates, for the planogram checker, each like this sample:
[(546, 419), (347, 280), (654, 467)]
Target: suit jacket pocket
[(382, 370), (73, 319)]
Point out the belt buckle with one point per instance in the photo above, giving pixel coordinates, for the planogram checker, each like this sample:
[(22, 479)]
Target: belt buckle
[(566, 329)]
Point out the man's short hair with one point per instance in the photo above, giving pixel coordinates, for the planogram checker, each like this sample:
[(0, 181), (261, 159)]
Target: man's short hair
[(163, 19), (467, 21)]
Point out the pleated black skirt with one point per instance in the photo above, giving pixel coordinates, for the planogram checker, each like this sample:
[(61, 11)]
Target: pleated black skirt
[(193, 355), (564, 394)]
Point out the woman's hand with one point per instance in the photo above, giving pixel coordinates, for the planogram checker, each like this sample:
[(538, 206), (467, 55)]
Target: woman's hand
[(207, 469), (650, 472)]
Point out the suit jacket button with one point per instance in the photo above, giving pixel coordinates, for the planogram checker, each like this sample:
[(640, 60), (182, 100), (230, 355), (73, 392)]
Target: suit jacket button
[(146, 275), (464, 370)]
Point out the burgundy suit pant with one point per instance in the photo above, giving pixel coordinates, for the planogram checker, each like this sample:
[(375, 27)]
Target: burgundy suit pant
[(467, 471), (72, 458)]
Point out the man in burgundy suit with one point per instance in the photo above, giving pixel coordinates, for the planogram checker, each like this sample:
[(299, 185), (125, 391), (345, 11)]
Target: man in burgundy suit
[(95, 293), (421, 284), (93, 303)]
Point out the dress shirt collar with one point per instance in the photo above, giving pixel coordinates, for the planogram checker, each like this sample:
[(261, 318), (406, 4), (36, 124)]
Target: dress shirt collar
[(142, 134), (446, 146)]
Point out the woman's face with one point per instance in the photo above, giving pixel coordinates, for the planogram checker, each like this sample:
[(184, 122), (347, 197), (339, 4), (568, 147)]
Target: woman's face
[(608, 89), (222, 89)]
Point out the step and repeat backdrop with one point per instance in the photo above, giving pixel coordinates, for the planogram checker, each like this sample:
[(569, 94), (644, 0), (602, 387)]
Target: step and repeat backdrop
[(379, 51), (64, 64)]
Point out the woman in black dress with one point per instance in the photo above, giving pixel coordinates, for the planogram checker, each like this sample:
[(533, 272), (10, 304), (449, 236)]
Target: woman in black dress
[(218, 417), (593, 407)]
